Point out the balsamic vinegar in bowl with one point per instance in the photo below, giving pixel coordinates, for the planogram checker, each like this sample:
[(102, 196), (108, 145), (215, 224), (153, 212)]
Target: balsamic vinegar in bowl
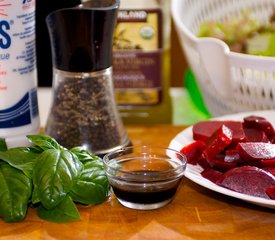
[(145, 177)]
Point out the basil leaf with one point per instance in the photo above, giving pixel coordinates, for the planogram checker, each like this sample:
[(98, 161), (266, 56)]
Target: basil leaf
[(44, 141), (15, 191), (22, 158), (65, 211), (83, 154), (92, 186), (35, 196), (53, 176), (3, 145)]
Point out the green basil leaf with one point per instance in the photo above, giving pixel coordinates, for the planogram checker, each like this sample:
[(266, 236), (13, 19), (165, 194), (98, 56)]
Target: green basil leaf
[(3, 145), (54, 174), (92, 186), (22, 158), (65, 211), (83, 154), (35, 196), (15, 192), (44, 141)]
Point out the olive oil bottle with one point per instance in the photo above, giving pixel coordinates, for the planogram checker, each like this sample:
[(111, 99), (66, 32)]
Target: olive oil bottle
[(141, 64)]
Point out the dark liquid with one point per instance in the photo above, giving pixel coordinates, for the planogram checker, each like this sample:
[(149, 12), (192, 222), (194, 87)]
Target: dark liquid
[(146, 197)]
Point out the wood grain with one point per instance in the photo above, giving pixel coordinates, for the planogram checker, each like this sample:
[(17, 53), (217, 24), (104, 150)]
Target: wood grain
[(195, 213)]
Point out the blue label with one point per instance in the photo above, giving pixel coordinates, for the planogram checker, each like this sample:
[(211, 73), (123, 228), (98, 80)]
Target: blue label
[(34, 102), (27, 1), (17, 115), (5, 39)]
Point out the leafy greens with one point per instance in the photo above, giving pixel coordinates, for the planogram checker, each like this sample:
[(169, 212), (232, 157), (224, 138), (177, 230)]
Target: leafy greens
[(243, 33), (51, 177)]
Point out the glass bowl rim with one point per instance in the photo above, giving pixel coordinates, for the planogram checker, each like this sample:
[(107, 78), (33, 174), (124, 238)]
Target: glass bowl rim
[(178, 171)]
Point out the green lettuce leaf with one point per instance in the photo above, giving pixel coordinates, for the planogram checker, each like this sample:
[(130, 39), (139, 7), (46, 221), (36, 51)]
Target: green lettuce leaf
[(262, 44)]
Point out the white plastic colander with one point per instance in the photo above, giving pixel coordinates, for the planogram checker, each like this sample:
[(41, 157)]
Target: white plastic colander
[(230, 82)]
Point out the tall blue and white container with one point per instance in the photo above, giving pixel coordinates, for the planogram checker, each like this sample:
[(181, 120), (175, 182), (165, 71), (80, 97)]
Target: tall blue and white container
[(19, 113)]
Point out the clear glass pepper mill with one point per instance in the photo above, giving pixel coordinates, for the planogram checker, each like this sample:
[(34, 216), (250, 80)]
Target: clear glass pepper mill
[(84, 111)]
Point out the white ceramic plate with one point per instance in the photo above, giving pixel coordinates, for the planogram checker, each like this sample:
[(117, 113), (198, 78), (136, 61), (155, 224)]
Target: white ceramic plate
[(193, 172)]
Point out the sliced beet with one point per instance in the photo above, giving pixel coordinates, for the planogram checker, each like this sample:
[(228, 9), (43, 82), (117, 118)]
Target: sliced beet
[(203, 130), (263, 163), (220, 139), (270, 170), (238, 134), (211, 174), (251, 151), (218, 163), (248, 161), (193, 151), (262, 124), (248, 180), (203, 163), (232, 155), (255, 135), (270, 191)]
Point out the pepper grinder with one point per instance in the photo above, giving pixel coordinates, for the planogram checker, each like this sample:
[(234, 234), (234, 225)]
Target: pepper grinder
[(84, 111)]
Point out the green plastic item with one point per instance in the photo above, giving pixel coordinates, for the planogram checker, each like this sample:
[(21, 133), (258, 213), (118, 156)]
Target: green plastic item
[(193, 89)]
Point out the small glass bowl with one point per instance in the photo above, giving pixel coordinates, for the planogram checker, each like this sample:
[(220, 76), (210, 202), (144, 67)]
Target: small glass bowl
[(144, 177)]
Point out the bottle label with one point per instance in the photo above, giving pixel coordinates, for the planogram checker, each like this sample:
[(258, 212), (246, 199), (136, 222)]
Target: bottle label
[(18, 86), (137, 57)]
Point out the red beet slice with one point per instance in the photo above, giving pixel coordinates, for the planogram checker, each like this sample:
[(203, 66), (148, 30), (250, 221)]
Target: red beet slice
[(270, 170), (262, 124), (218, 163), (220, 139), (250, 151), (232, 155), (211, 174), (205, 129), (193, 151), (255, 135), (266, 163), (203, 163), (248, 180), (270, 191)]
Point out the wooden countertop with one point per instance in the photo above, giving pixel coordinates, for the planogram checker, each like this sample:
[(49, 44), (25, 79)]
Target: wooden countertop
[(195, 213)]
